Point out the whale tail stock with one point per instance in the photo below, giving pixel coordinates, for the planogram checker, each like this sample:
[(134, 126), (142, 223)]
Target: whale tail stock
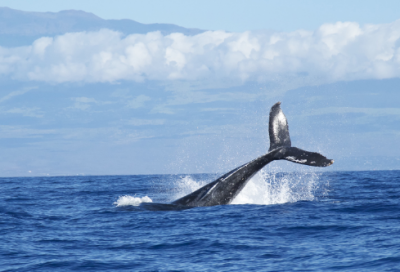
[(224, 189), (280, 141)]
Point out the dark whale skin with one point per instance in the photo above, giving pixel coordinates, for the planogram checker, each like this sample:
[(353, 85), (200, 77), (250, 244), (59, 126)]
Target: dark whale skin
[(224, 189)]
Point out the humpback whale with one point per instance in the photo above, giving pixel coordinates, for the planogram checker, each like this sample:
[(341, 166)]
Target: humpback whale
[(224, 189)]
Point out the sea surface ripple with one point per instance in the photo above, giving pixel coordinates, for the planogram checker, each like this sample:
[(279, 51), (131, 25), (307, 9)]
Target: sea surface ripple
[(331, 221)]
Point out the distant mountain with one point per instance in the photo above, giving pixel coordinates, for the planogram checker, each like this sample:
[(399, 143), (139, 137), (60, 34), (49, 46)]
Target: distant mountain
[(18, 28)]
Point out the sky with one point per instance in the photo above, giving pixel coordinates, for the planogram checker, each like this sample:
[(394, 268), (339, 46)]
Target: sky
[(105, 102), (228, 15)]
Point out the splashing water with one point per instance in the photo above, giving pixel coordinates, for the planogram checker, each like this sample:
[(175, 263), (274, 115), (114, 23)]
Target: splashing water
[(186, 185), (264, 188), (131, 200), (267, 188)]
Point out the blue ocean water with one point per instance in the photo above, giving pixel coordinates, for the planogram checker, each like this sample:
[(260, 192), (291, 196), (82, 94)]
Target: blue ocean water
[(331, 221)]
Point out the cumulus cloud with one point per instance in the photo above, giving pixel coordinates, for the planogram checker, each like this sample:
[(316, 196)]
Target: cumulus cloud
[(340, 51)]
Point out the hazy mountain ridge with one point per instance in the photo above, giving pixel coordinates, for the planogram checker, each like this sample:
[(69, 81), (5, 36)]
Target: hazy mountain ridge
[(19, 28)]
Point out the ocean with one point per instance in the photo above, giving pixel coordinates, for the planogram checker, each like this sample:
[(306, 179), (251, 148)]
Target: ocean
[(297, 221)]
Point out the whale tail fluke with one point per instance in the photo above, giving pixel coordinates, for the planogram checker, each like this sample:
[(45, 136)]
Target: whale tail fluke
[(278, 128), (280, 139), (298, 155)]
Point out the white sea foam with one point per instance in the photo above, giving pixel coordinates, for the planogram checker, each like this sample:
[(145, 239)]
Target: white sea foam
[(131, 200)]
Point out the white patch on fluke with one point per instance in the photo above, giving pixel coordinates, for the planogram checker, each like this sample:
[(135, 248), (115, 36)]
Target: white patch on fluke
[(279, 121), (131, 200), (293, 159)]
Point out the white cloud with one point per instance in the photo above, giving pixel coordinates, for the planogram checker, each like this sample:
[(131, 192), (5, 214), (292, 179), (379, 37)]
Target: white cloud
[(28, 112), (376, 112), (138, 101), (7, 131), (340, 51), (146, 122), (84, 103), (16, 93)]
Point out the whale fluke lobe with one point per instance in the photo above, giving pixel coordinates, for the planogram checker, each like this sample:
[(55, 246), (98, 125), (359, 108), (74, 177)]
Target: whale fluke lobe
[(298, 155), (224, 189), (278, 128)]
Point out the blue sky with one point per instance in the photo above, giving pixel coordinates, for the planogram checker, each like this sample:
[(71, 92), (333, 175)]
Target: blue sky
[(229, 15), (103, 102)]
